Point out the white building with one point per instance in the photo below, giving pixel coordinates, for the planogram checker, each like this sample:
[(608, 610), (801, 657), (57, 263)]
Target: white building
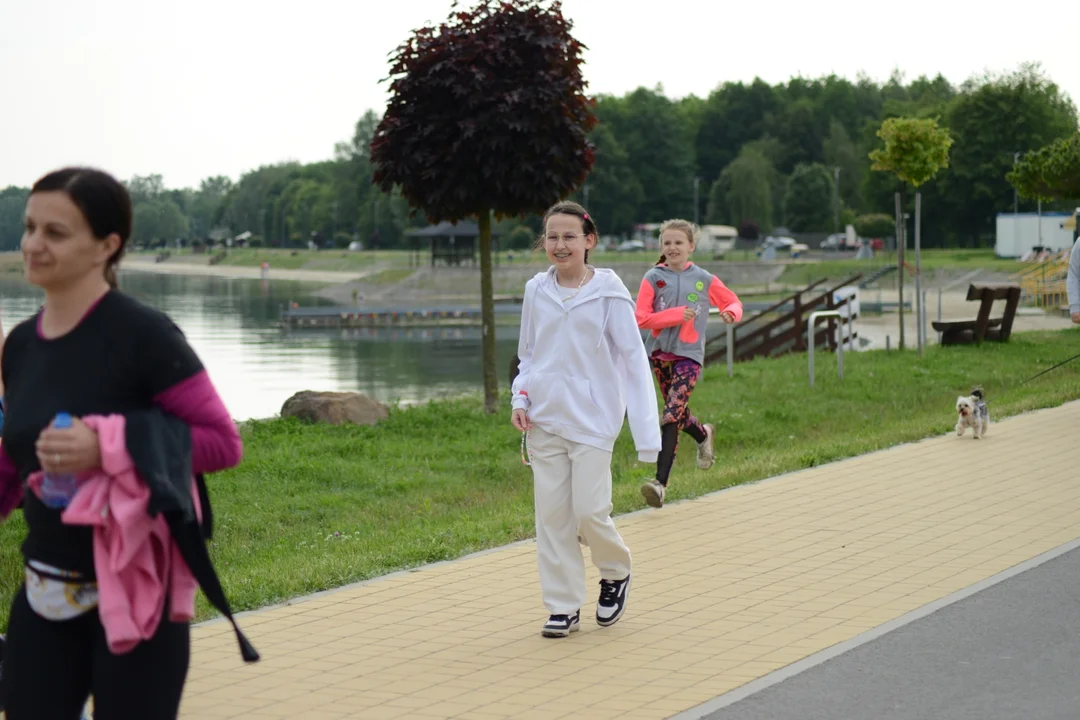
[(1018, 234)]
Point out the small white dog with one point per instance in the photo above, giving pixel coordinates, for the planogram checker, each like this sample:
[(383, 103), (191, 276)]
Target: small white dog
[(972, 413)]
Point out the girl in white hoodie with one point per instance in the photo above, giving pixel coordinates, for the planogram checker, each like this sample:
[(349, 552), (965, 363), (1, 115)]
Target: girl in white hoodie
[(582, 368)]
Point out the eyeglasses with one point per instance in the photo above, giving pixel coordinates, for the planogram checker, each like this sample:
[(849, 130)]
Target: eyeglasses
[(567, 238), (525, 449)]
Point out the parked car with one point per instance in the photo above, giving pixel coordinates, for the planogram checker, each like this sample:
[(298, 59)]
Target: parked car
[(778, 242), (631, 246), (836, 241)]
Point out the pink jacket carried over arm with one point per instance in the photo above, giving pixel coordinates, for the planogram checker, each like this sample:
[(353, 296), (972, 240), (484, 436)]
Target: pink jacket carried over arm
[(138, 566)]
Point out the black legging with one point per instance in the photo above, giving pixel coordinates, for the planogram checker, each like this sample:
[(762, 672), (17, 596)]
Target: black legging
[(52, 667)]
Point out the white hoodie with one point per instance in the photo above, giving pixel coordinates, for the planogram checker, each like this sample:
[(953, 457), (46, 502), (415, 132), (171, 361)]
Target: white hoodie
[(582, 364)]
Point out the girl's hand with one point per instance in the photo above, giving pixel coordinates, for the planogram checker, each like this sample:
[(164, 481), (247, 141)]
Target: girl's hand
[(727, 317), (520, 420), (689, 313), (70, 450)]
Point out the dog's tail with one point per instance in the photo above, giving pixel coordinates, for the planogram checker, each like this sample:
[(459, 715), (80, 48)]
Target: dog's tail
[(977, 392)]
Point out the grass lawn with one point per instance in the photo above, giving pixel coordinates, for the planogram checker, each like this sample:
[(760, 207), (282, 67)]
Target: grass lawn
[(314, 507)]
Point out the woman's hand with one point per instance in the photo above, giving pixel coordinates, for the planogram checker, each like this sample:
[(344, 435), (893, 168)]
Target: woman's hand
[(520, 420), (69, 450), (689, 313), (728, 317)]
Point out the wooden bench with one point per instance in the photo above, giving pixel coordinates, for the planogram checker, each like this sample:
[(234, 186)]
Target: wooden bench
[(983, 327)]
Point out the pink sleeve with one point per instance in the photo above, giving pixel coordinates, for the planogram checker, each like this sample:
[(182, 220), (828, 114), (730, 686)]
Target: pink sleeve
[(649, 320), (723, 298), (10, 486), (215, 442)]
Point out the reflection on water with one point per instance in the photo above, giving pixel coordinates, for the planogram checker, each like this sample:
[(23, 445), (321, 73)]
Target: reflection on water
[(256, 366)]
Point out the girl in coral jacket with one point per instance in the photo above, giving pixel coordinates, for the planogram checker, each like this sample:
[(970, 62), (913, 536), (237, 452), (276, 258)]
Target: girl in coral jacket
[(673, 302), (582, 370)]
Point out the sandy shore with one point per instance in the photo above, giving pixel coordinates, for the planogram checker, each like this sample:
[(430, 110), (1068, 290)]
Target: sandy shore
[(138, 263)]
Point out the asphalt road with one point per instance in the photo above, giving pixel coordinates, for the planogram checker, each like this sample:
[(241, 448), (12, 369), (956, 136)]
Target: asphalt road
[(1008, 652)]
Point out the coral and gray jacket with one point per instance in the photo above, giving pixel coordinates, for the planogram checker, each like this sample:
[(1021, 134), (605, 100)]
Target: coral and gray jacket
[(662, 298)]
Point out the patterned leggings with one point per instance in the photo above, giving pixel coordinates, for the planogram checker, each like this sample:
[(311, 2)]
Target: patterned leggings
[(677, 379)]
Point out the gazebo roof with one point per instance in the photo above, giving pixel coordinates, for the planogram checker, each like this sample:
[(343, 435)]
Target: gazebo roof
[(448, 229)]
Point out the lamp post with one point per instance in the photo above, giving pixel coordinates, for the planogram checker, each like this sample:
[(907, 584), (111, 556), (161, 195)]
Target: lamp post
[(697, 181), (836, 199)]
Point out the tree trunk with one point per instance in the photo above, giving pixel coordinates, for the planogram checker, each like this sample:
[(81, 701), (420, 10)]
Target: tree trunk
[(487, 313), (901, 241)]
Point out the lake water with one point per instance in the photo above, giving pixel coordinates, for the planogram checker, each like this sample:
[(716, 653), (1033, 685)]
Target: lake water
[(256, 366)]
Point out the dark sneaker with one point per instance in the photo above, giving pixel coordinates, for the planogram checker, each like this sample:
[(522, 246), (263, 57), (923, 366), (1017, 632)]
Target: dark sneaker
[(653, 492), (612, 602), (559, 626), (705, 455)]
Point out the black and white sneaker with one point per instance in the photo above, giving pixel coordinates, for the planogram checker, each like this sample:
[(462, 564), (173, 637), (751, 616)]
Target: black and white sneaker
[(612, 602), (559, 626)]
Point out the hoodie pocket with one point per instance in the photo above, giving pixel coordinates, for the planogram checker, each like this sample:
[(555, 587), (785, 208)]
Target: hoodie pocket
[(565, 400)]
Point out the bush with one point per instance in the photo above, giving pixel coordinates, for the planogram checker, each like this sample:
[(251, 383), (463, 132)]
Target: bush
[(749, 230), (875, 225), (520, 238)]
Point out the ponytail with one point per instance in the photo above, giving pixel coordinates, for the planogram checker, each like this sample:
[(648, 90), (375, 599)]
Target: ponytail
[(662, 260)]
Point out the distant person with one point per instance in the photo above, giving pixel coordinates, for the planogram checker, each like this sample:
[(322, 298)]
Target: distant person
[(1072, 283), (673, 302), (92, 351), (582, 369)]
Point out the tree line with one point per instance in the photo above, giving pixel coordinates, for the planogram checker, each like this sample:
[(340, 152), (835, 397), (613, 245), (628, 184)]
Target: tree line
[(753, 155)]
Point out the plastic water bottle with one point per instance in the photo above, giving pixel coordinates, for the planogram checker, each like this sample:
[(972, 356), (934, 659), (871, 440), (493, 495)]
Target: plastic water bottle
[(57, 489)]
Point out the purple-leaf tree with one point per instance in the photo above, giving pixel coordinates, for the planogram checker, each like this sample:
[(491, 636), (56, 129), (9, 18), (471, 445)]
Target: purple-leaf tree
[(487, 115)]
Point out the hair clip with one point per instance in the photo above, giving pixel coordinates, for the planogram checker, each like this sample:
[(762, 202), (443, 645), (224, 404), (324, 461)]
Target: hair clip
[(585, 215)]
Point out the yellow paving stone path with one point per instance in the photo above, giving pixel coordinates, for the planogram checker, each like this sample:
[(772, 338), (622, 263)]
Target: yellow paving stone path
[(726, 589)]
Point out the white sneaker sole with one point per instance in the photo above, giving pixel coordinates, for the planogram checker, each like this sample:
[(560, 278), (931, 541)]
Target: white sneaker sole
[(561, 633), (652, 497)]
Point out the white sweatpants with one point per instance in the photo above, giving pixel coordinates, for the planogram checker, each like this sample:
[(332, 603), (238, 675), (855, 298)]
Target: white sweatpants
[(572, 488)]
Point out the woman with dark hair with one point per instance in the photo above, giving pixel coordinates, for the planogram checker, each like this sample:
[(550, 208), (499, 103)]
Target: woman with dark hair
[(90, 351)]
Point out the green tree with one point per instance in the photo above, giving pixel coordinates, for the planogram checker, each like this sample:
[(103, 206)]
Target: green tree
[(147, 187), (809, 197), (12, 209), (206, 203), (615, 193), (253, 203), (916, 149), (839, 151), (655, 132), (487, 112), (743, 192), (158, 220), (992, 118), (733, 115), (1050, 172)]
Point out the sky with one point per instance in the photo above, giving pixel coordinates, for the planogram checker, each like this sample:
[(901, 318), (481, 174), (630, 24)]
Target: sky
[(199, 88)]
